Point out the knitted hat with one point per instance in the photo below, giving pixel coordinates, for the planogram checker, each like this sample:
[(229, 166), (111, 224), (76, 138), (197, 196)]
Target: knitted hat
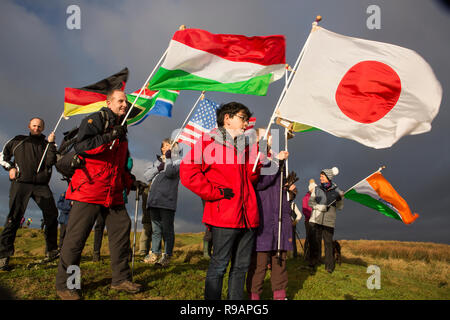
[(330, 173)]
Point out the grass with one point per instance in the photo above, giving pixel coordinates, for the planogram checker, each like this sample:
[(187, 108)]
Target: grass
[(409, 271)]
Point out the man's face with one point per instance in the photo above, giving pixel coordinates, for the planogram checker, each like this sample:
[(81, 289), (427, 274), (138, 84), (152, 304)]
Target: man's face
[(236, 124), (118, 103), (36, 127)]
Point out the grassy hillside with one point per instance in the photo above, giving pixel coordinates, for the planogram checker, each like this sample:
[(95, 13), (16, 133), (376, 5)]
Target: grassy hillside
[(409, 270)]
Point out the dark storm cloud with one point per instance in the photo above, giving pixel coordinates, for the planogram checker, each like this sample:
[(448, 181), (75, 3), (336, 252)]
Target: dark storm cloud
[(40, 57)]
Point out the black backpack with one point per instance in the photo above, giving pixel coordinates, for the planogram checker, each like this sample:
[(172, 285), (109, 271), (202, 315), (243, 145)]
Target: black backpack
[(67, 160)]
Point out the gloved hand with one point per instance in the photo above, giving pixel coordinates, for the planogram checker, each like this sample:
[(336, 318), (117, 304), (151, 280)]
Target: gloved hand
[(312, 185), (168, 154), (139, 186), (227, 193), (77, 162), (291, 178), (161, 166), (119, 131)]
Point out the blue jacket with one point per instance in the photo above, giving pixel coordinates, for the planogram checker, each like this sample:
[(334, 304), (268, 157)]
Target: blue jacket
[(164, 187)]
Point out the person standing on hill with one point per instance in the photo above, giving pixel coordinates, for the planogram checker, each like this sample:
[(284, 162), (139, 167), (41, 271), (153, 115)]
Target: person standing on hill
[(164, 175), (219, 169), (324, 201), (21, 156), (97, 189)]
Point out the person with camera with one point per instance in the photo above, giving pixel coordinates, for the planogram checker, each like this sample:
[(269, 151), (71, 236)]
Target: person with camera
[(96, 188), (21, 157)]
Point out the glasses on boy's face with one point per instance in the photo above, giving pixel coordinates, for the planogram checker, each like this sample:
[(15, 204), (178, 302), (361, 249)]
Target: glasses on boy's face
[(243, 118)]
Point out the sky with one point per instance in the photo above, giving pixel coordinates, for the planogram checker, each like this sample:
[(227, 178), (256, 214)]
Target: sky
[(40, 56)]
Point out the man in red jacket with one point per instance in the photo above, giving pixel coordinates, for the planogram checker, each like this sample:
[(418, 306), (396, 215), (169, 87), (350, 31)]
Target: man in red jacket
[(97, 188), (219, 170)]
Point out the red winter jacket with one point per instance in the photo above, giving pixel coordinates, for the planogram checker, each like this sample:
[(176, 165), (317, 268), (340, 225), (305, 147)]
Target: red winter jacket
[(104, 177), (215, 163)]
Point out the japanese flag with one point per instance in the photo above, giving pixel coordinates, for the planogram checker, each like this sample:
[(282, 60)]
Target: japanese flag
[(367, 91)]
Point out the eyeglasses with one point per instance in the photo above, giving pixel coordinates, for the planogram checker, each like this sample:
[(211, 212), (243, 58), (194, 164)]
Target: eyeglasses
[(243, 118)]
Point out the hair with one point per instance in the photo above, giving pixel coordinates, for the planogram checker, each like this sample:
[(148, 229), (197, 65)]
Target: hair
[(231, 108), (166, 140), (42, 120), (110, 92)]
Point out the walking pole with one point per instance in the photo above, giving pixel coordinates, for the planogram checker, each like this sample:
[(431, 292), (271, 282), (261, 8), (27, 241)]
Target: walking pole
[(279, 215), (46, 148), (134, 232)]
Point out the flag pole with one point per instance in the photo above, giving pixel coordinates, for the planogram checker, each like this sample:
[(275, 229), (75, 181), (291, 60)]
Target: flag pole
[(379, 169), (272, 118), (140, 91), (46, 148), (200, 97)]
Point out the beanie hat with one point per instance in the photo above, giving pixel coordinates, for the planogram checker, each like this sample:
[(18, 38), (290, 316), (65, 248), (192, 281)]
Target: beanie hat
[(330, 173)]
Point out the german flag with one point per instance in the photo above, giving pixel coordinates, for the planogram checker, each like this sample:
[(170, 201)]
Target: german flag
[(92, 97)]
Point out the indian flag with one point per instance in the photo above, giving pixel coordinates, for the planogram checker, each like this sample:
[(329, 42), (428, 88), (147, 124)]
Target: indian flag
[(377, 193), (199, 60)]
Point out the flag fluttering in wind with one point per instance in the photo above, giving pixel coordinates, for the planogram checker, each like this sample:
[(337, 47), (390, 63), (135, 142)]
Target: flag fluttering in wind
[(199, 60), (377, 193), (92, 97), (367, 91), (151, 102), (203, 120)]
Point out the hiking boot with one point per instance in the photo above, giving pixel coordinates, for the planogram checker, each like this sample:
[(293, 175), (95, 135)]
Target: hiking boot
[(152, 258), (68, 294), (51, 256), (206, 249), (4, 264), (127, 286), (164, 261), (96, 256)]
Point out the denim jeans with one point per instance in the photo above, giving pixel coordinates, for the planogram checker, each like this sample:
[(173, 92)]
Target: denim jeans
[(229, 244), (162, 228)]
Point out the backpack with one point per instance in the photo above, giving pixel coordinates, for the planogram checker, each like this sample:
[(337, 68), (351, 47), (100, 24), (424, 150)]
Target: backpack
[(67, 160)]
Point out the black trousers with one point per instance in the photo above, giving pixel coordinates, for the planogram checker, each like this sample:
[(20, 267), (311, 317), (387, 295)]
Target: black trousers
[(82, 217), (98, 233), (19, 195), (317, 233)]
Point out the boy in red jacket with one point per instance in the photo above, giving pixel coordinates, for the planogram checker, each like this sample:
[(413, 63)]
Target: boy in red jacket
[(219, 170)]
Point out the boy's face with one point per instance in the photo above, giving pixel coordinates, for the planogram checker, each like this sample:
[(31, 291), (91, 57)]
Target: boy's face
[(236, 124)]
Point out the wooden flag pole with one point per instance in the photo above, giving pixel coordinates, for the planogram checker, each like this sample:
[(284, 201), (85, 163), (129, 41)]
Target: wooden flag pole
[(283, 93), (201, 97), (46, 148)]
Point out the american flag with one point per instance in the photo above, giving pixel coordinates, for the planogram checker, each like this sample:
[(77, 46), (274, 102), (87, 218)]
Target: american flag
[(203, 120)]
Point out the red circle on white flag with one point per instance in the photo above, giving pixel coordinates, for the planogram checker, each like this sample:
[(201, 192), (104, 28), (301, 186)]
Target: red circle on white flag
[(368, 91)]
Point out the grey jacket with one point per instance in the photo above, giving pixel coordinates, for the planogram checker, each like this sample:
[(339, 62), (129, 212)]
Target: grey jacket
[(164, 184), (321, 212)]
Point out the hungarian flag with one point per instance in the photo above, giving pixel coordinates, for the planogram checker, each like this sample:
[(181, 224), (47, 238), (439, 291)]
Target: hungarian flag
[(151, 102), (377, 193), (92, 97), (199, 60), (367, 91)]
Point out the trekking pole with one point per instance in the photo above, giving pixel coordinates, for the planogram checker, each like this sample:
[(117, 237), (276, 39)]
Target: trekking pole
[(134, 232), (279, 215)]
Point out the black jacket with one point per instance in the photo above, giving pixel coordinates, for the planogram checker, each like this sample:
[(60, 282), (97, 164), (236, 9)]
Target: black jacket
[(25, 153)]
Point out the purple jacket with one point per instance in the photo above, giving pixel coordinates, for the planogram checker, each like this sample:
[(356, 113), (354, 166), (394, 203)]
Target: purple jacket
[(268, 197)]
